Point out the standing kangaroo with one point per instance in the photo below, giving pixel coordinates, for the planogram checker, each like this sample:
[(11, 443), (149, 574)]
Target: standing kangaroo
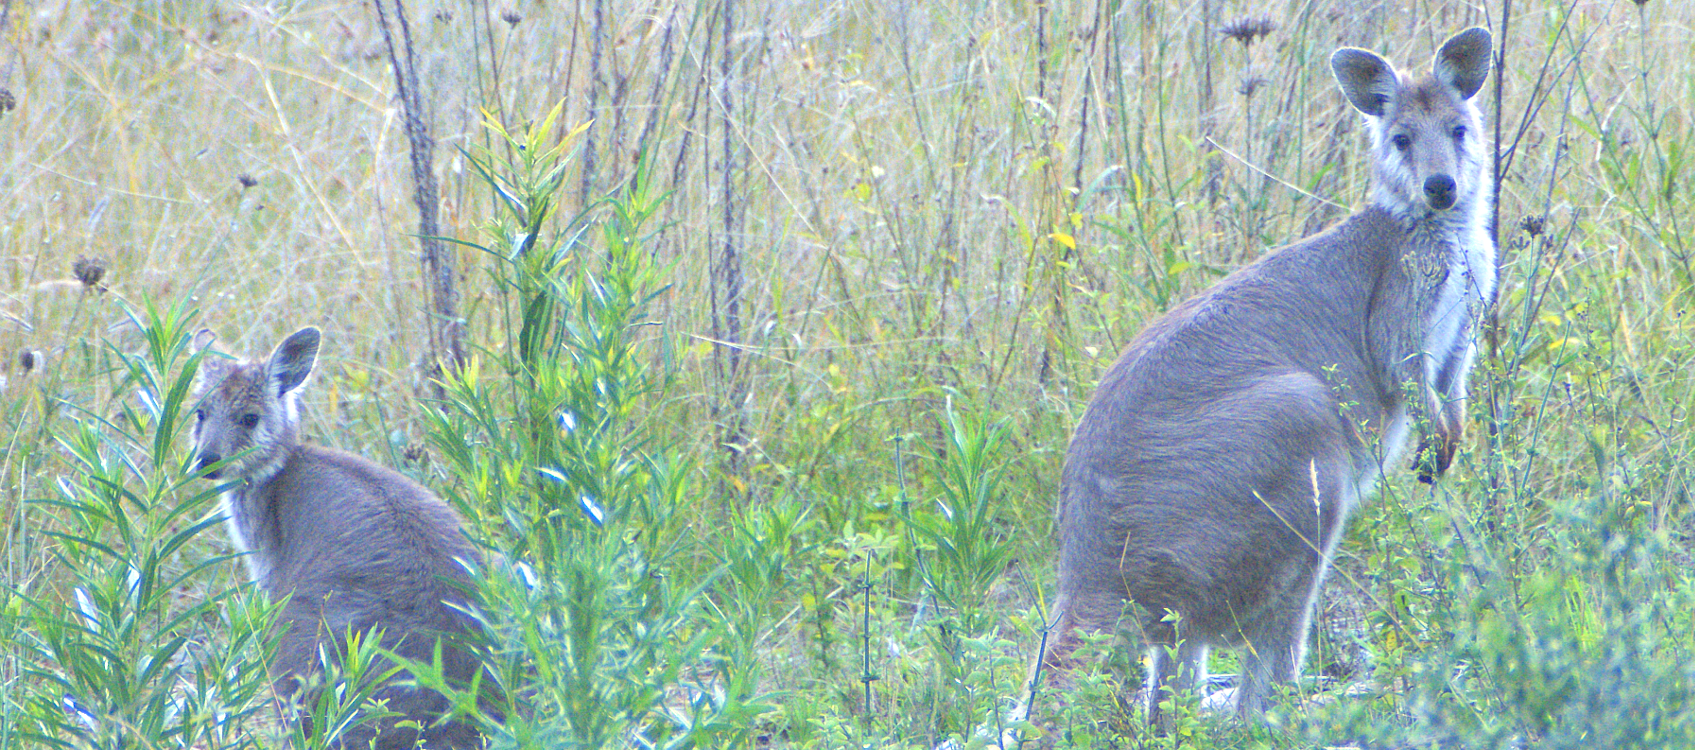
[(349, 544), (1214, 469)]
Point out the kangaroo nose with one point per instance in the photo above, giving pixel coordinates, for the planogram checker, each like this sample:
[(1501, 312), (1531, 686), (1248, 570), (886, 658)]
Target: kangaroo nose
[(206, 460), (1439, 192)]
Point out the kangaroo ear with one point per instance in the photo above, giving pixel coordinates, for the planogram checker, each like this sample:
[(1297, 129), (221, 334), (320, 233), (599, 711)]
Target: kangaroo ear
[(1367, 80), (1463, 62), (293, 360)]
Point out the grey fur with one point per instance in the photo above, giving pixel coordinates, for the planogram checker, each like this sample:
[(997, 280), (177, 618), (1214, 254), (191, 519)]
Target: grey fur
[(1214, 469), (349, 543)]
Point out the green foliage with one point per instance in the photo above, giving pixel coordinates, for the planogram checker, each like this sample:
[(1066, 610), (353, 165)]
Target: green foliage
[(961, 550), (1584, 649), (341, 698), (117, 641), (601, 628)]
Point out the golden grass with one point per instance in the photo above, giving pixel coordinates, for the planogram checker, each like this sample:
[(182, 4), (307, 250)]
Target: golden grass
[(918, 206)]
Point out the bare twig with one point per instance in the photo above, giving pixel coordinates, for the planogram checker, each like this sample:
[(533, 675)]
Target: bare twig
[(597, 42), (446, 330), (1212, 144), (727, 310), (1207, 107), (655, 106)]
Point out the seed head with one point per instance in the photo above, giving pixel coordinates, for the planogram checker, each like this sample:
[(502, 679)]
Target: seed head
[(415, 454), (511, 17), (1533, 225), (1249, 28), (7, 101), (1251, 84), (89, 271), (246, 180)]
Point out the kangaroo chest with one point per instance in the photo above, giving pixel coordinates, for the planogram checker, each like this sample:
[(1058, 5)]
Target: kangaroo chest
[(1459, 266), (242, 518)]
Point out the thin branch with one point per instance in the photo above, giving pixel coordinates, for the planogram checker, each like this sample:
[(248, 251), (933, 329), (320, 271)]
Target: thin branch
[(446, 330)]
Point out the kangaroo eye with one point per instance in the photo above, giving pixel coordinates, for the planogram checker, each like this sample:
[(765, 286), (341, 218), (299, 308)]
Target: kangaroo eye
[(199, 415), (250, 421), (1459, 132), (1402, 141)]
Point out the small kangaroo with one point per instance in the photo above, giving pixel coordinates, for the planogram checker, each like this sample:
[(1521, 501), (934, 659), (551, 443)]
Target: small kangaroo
[(349, 543), (1214, 469)]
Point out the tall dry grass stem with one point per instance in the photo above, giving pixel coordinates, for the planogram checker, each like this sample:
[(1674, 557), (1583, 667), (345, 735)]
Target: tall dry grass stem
[(727, 280), (438, 261)]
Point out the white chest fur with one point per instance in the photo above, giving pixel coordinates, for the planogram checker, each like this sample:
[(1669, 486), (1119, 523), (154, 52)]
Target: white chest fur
[(239, 524), (1467, 288)]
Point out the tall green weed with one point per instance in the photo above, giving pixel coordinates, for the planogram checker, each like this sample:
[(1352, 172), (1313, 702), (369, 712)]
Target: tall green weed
[(605, 631), (130, 643)]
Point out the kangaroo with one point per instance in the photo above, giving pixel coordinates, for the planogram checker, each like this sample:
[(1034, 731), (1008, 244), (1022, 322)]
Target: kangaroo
[(349, 544), (1212, 473)]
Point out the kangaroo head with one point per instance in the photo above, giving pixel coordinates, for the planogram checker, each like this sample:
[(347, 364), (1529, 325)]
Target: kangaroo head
[(248, 415), (1428, 149)]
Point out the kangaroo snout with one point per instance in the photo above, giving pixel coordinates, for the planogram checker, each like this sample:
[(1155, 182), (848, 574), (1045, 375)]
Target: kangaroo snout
[(1439, 192), (206, 461)]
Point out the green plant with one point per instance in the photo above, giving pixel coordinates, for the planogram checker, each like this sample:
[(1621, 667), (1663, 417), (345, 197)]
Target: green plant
[(121, 657), (601, 630), (962, 548)]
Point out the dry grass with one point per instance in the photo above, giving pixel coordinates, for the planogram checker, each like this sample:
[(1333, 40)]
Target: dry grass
[(975, 200)]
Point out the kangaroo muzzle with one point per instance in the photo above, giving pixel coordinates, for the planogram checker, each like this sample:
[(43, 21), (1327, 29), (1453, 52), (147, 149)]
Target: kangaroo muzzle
[(206, 461), (1439, 192)]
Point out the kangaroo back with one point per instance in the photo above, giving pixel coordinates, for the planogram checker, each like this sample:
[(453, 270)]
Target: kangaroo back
[(1213, 471), (352, 546)]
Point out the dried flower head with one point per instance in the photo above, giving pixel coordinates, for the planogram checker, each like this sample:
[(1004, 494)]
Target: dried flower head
[(511, 17), (1533, 225), (29, 359), (1249, 28), (1251, 84), (89, 271), (246, 180), (415, 454), (7, 101), (444, 15)]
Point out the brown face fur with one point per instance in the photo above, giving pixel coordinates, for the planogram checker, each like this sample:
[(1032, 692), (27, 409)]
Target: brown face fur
[(248, 415), (1427, 136)]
